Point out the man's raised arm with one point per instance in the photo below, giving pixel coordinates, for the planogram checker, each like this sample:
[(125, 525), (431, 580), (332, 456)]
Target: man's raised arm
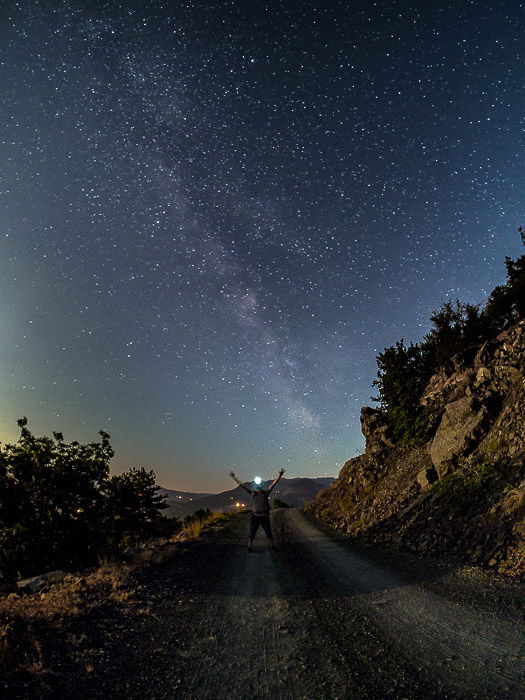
[(281, 472), (232, 474)]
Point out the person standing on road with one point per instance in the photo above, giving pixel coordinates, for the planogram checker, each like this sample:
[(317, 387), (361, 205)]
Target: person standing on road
[(260, 509)]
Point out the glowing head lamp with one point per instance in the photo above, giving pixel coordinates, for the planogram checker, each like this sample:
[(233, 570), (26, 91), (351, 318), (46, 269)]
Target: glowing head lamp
[(257, 481)]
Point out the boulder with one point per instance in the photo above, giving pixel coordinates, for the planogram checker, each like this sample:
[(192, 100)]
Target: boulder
[(444, 388), (461, 424), (55, 576), (38, 583), (32, 585), (426, 478), (483, 356), (375, 429), (483, 376)]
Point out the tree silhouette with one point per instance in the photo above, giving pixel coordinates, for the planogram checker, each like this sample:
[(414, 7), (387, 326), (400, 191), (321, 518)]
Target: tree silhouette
[(403, 374), (60, 507)]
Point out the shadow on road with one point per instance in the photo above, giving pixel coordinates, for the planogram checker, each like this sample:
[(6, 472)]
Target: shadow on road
[(300, 575)]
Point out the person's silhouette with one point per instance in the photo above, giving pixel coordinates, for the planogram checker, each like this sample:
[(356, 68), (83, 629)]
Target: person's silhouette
[(260, 507)]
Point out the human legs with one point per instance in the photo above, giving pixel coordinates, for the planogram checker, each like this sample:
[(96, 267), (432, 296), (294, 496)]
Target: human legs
[(254, 526), (267, 527)]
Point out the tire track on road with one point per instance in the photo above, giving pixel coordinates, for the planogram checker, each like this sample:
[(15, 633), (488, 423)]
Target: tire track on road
[(472, 655)]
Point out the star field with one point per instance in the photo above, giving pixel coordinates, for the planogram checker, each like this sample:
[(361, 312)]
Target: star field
[(216, 214)]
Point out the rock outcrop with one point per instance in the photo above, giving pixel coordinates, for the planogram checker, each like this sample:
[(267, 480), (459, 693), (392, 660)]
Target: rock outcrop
[(375, 429), (36, 584), (463, 489), (460, 428)]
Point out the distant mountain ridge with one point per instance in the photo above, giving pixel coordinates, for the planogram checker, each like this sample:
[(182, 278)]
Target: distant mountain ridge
[(293, 492)]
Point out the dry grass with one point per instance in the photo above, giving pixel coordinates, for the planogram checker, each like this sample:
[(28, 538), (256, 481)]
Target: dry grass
[(72, 597), (194, 528), (29, 622)]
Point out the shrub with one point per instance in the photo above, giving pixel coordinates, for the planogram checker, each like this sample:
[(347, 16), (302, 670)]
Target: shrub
[(403, 374), (60, 508)]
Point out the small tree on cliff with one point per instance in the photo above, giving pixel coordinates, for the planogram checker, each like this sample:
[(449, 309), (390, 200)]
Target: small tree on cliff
[(403, 374), (506, 304), (456, 326)]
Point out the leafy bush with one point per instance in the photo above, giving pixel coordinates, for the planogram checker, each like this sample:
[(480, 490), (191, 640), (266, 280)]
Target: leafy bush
[(59, 506), (132, 505), (402, 376), (506, 304), (456, 326)]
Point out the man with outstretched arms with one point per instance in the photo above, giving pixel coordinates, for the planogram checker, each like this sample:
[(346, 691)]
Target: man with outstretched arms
[(260, 508)]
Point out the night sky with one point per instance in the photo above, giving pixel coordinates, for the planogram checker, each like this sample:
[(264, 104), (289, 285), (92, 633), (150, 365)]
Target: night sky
[(214, 215)]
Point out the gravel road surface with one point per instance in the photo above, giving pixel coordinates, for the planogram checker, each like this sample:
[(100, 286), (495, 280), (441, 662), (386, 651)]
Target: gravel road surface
[(319, 619)]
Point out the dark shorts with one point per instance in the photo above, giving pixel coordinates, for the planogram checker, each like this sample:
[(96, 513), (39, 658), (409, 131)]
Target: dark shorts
[(264, 522)]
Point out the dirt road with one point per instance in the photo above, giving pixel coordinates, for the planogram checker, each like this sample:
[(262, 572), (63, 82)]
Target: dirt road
[(315, 620)]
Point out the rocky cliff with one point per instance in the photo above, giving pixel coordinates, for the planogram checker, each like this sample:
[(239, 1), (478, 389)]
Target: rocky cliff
[(463, 489)]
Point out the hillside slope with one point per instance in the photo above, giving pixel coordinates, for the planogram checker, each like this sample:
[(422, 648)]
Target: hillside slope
[(463, 489)]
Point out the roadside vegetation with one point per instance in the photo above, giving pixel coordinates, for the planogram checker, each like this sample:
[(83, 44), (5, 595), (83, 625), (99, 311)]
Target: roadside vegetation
[(58, 619), (201, 520), (60, 508), (29, 624)]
